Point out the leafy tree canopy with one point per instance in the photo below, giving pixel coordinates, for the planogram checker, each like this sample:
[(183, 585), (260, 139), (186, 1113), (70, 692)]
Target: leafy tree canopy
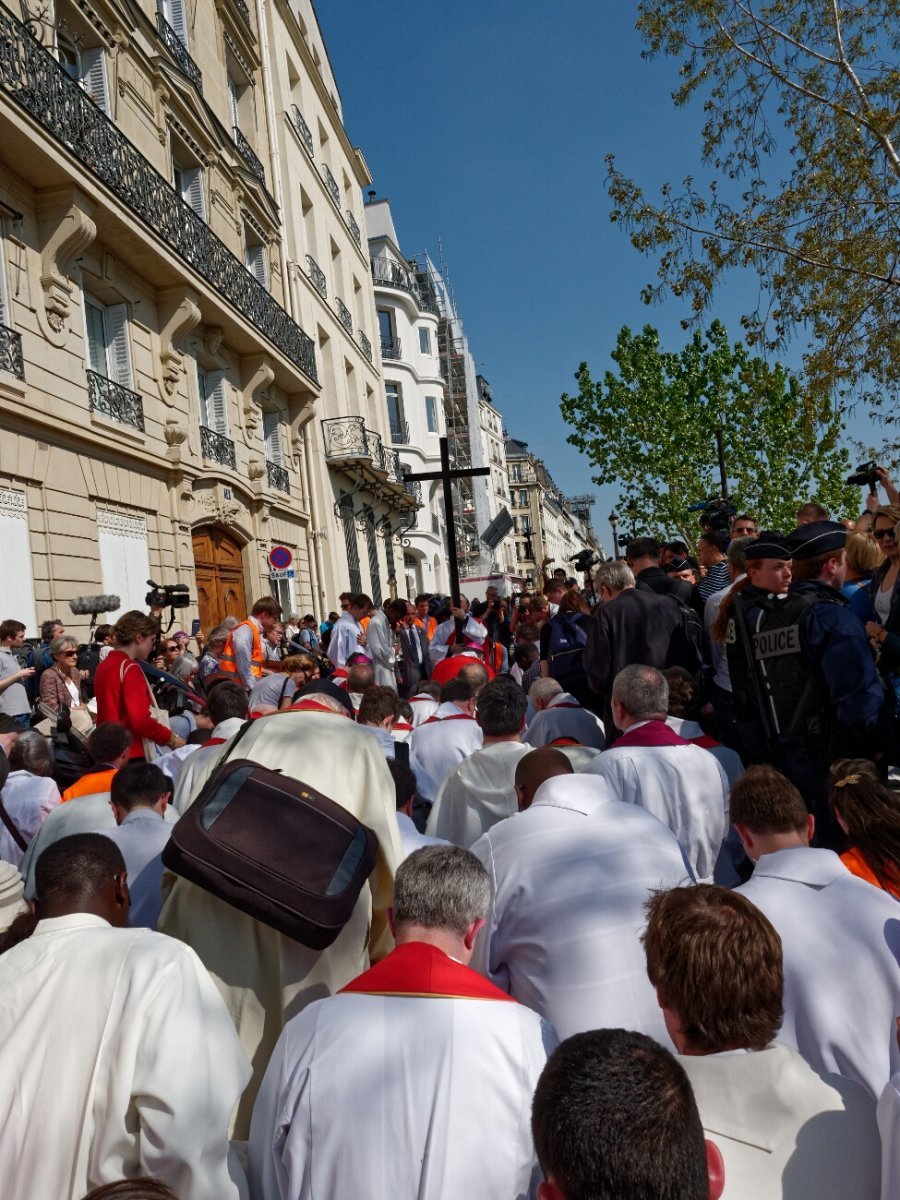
[(650, 426), (819, 79)]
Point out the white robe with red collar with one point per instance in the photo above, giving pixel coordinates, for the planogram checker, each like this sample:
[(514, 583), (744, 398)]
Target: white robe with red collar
[(565, 718), (436, 747)]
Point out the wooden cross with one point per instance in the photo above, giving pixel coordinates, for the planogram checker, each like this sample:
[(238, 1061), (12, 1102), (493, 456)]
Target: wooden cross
[(447, 474)]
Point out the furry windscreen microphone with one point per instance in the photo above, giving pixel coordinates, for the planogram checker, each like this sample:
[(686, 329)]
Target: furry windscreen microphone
[(90, 605)]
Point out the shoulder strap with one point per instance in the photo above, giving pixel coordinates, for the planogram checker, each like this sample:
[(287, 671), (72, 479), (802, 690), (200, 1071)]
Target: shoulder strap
[(11, 828)]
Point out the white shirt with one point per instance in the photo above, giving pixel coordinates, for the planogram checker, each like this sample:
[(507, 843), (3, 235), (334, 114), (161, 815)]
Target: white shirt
[(786, 1132), (406, 1097), (477, 793), (29, 800), (841, 940), (411, 839), (423, 707), (437, 746), (683, 786), (344, 633), (729, 760), (116, 1041), (142, 837), (564, 717), (571, 876)]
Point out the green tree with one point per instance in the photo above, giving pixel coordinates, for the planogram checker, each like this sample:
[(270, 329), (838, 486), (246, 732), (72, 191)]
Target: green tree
[(650, 426), (802, 106)]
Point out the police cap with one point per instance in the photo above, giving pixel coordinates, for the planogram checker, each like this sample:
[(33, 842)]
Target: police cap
[(769, 544), (821, 537)]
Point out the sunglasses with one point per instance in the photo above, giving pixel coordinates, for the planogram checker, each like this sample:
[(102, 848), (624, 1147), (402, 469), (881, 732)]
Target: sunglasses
[(878, 534), (70, 654)]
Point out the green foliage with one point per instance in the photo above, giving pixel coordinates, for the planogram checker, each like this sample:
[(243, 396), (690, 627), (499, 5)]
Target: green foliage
[(650, 426), (820, 80)]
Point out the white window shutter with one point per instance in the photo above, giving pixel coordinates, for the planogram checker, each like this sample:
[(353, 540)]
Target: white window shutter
[(272, 435), (233, 97), (193, 189), (176, 17), (256, 262), (93, 76), (217, 402), (118, 350)]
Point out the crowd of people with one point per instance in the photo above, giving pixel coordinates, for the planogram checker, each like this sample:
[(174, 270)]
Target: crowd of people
[(587, 894)]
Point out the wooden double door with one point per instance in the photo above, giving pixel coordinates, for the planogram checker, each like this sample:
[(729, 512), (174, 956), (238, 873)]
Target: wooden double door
[(220, 577)]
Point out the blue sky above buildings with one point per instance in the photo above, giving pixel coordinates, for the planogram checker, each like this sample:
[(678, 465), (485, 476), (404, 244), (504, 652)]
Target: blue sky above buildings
[(486, 124)]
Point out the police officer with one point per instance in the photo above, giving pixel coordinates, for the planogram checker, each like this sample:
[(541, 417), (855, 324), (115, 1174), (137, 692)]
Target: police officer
[(804, 678)]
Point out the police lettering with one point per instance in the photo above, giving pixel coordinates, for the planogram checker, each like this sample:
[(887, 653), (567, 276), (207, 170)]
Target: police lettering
[(769, 643)]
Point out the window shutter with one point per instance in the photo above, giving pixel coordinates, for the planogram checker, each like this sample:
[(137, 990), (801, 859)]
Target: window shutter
[(216, 402), (272, 435), (95, 336), (255, 259), (118, 351), (93, 76), (233, 97), (175, 15), (192, 178)]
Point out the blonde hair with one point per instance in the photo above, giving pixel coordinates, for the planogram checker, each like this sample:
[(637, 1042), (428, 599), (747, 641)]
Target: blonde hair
[(863, 554)]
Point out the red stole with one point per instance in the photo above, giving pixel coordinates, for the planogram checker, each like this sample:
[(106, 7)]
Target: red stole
[(705, 742), (420, 969), (652, 733), (455, 717)]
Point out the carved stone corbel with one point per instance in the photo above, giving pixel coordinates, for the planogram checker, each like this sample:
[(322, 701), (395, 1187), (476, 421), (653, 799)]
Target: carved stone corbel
[(179, 313), (258, 374), (66, 229)]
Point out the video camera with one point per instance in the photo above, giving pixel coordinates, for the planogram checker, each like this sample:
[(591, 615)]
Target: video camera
[(865, 475), (167, 595), (584, 560), (715, 514)]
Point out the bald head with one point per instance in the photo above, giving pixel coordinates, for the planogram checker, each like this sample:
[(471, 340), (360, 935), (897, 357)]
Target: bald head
[(475, 674), (536, 768), (360, 677)]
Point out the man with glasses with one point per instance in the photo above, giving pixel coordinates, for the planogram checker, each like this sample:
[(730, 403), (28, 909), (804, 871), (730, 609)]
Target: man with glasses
[(744, 526)]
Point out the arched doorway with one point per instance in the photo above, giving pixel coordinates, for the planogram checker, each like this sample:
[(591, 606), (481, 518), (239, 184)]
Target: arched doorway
[(220, 577)]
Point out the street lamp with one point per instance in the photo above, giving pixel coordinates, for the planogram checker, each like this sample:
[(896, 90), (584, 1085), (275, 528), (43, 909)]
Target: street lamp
[(613, 519)]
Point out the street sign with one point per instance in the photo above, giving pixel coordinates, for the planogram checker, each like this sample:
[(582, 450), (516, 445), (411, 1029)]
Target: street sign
[(275, 573), (280, 558)]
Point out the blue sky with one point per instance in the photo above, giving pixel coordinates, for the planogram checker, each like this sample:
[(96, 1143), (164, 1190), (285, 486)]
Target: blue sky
[(486, 124)]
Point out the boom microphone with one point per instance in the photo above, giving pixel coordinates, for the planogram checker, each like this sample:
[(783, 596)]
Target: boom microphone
[(89, 606)]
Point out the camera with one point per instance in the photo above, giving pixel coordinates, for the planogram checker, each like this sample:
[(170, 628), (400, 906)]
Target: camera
[(715, 514), (584, 560), (167, 595), (865, 475)]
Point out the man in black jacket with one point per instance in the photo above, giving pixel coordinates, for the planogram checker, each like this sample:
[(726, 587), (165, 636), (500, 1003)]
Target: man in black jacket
[(415, 660), (633, 625), (642, 555)]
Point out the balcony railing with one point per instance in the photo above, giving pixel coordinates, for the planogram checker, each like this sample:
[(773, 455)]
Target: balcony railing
[(249, 156), (243, 10), (365, 344), (34, 79), (178, 50), (115, 401), (11, 352), (376, 450), (303, 129), (392, 465), (331, 184), (390, 347), (346, 437), (317, 276), (278, 478), (217, 448), (388, 273), (400, 433), (344, 314), (413, 488), (353, 227)]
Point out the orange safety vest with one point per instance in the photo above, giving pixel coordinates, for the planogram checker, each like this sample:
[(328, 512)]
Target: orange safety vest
[(89, 785), (228, 664), (428, 627)]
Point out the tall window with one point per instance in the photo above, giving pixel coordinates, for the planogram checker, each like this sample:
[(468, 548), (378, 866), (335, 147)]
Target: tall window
[(124, 557), (188, 183), (424, 339), (17, 576), (385, 327), (431, 414), (272, 436), (523, 499), (174, 12), (515, 472), (84, 63), (255, 254), (213, 400), (395, 412), (106, 333)]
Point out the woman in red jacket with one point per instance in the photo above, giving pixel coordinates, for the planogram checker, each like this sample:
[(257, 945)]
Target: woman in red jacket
[(122, 689)]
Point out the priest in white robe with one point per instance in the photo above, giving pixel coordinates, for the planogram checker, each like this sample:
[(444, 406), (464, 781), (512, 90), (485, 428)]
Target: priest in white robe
[(652, 766), (119, 1058), (571, 876), (558, 717), (452, 734), (481, 790), (424, 704), (265, 977), (415, 1081), (840, 935)]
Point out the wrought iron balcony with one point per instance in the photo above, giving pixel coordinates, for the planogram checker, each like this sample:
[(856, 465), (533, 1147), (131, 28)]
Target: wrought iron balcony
[(376, 450), (303, 129), (217, 448), (331, 184), (178, 50), (413, 488), (11, 352), (386, 271), (365, 344), (353, 227), (243, 10), (278, 478), (317, 276), (390, 348), (34, 79), (392, 465), (249, 156), (115, 401), (400, 433), (344, 314), (346, 438)]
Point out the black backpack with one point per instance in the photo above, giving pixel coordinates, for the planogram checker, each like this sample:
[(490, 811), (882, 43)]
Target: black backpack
[(568, 638)]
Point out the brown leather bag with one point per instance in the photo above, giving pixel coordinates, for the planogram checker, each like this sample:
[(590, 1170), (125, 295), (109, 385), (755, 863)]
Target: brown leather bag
[(276, 849)]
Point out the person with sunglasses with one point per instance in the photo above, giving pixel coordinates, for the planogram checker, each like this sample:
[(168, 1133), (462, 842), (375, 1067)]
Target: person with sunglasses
[(61, 682)]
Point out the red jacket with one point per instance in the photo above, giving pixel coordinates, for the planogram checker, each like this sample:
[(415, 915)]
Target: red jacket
[(124, 696)]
